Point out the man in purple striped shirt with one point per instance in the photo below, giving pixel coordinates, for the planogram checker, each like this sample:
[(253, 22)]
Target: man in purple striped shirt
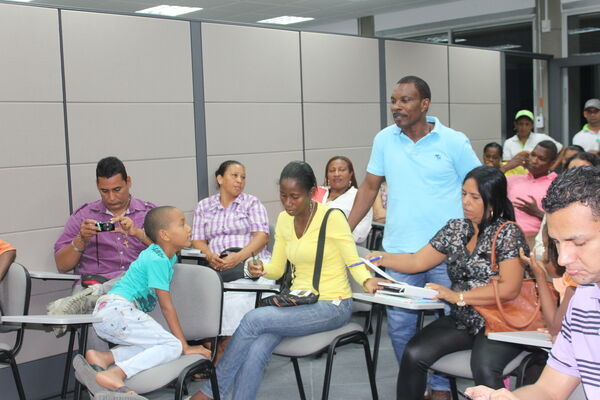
[(87, 250), (572, 205)]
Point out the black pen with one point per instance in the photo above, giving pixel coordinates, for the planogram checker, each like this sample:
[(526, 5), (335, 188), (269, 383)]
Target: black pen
[(464, 396)]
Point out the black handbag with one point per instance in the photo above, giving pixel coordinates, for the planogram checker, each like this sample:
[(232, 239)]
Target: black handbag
[(287, 297), (233, 273)]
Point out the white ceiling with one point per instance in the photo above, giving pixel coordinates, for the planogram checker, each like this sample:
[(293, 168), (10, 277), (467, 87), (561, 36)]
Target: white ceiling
[(251, 11)]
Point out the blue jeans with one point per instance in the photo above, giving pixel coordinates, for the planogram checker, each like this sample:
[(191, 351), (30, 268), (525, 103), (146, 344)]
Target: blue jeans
[(260, 331), (402, 323), (142, 342)]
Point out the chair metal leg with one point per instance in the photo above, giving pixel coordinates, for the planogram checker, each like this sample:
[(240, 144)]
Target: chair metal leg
[(16, 375), (298, 378), (83, 334), (328, 368), (453, 388), (65, 385), (379, 311), (214, 383), (370, 368)]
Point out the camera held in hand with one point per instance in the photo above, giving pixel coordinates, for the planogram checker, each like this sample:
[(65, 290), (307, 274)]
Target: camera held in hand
[(105, 226)]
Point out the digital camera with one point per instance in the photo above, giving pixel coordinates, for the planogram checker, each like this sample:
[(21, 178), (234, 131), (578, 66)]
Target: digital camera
[(105, 226)]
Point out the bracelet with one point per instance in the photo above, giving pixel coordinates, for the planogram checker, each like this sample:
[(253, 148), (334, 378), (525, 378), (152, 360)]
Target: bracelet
[(247, 273), (461, 300), (363, 284), (77, 249)]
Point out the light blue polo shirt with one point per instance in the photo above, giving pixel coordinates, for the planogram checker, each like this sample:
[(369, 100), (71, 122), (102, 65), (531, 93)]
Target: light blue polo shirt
[(424, 182)]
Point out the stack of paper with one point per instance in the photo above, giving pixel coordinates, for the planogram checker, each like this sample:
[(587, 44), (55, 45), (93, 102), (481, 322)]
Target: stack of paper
[(401, 289)]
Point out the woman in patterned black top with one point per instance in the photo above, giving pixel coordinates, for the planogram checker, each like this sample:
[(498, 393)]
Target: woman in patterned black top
[(465, 245)]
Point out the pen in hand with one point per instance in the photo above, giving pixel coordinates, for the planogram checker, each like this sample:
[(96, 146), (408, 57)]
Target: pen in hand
[(362, 262)]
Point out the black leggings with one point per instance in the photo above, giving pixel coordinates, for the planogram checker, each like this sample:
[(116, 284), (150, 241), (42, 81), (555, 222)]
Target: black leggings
[(441, 337)]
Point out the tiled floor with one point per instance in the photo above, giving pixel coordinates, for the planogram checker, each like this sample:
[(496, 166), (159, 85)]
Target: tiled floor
[(349, 378)]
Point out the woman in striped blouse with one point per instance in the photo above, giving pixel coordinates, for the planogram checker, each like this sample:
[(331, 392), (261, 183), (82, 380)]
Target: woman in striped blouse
[(229, 219)]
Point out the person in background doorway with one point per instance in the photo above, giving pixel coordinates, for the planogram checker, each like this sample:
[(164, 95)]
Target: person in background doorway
[(524, 139), (589, 136)]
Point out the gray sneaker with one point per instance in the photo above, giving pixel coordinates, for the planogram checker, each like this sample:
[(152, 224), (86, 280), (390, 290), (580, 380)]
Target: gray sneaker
[(80, 303)]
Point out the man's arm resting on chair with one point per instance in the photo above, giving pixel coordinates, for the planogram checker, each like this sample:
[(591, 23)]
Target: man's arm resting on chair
[(168, 310), (552, 385)]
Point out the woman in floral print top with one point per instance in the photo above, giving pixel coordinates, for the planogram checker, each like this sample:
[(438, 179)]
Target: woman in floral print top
[(465, 245)]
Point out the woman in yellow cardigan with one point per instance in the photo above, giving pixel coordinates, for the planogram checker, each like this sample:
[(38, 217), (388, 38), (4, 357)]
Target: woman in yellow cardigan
[(296, 234)]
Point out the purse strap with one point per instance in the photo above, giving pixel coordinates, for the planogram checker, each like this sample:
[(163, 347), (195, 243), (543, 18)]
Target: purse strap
[(494, 268), (320, 251)]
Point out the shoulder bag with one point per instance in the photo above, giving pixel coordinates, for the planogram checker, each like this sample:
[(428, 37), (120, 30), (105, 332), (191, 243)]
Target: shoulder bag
[(288, 297), (520, 314)]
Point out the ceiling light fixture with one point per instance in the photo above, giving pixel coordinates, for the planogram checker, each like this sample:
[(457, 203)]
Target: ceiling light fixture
[(507, 46), (285, 20), (579, 31), (460, 40), (171, 11)]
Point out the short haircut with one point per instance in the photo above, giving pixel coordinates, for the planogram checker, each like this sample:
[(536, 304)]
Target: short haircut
[(350, 167), (301, 172), (493, 145), (492, 187), (575, 147), (576, 185), (585, 156), (550, 146), (109, 167), (158, 218), (421, 86)]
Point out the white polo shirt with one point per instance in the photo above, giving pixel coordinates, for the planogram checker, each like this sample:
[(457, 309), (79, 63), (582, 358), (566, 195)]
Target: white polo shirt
[(587, 139), (512, 145)]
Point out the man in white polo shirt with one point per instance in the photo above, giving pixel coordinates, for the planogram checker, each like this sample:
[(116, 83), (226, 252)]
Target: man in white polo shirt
[(589, 136), (573, 209)]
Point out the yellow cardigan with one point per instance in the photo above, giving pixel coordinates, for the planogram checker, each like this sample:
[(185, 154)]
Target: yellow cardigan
[(340, 250)]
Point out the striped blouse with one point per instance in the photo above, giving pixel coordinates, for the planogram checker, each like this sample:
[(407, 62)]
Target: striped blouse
[(232, 226)]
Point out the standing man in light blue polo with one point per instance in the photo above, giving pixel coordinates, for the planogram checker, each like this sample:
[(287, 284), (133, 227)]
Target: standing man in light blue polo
[(424, 164)]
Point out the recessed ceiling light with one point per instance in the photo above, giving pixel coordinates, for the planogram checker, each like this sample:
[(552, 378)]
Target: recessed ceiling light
[(507, 46), (285, 20), (579, 31), (436, 39), (171, 11)]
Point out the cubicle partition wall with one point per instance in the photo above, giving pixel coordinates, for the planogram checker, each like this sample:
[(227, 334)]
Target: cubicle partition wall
[(340, 86), (173, 99), (253, 104)]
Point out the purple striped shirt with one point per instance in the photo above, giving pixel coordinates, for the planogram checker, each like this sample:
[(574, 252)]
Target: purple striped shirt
[(576, 351), (232, 226)]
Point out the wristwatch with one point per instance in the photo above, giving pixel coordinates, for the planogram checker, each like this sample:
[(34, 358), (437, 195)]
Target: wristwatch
[(461, 300)]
